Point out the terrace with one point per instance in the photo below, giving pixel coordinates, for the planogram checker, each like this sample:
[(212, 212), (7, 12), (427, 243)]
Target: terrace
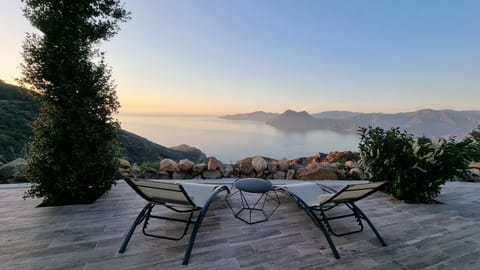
[(441, 236)]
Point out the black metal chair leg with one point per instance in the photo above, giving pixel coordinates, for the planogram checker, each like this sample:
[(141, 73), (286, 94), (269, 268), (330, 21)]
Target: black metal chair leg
[(371, 226), (137, 222), (198, 223)]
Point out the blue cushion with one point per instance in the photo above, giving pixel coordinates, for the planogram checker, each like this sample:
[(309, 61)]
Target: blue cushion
[(254, 185)]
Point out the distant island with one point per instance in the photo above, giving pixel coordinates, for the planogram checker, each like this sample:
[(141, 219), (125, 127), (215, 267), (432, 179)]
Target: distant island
[(427, 122)]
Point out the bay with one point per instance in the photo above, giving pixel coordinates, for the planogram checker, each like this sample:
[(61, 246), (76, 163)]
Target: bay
[(232, 140)]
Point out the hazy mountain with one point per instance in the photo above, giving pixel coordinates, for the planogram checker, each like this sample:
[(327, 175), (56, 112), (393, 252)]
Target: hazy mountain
[(18, 110), (428, 122), (255, 116), (335, 114), (291, 121)]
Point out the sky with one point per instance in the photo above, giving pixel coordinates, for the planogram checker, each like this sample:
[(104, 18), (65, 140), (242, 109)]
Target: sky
[(231, 56)]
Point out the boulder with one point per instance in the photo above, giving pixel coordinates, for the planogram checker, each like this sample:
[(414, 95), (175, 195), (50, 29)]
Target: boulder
[(357, 173), (123, 163), (185, 165), (150, 170), (227, 170), (278, 175), (245, 166), (317, 171), (290, 174), (178, 175), (212, 164), (212, 174), (283, 165), (475, 165), (135, 170), (272, 166), (259, 164), (349, 164), (158, 175), (13, 169), (168, 165), (199, 168)]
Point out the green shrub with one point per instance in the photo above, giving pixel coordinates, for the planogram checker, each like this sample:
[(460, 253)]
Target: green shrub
[(415, 168)]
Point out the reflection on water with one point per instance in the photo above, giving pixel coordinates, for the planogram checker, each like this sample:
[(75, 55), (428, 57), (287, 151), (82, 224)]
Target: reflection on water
[(231, 140)]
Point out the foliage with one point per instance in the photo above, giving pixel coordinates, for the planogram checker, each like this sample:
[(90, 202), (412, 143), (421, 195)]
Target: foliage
[(155, 165), (74, 145), (416, 168), (17, 111)]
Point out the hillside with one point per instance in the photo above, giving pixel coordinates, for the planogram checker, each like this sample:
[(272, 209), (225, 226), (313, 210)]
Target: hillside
[(18, 109), (428, 122)]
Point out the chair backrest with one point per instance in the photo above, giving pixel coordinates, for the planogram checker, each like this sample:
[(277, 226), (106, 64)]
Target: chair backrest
[(352, 193), (160, 192)]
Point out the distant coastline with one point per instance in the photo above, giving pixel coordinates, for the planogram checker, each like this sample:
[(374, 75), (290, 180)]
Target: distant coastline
[(427, 122)]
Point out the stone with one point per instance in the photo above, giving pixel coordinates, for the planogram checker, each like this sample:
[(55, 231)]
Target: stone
[(278, 175), (150, 170), (135, 170), (475, 165), (212, 174), (13, 169), (123, 163), (185, 165), (212, 164), (349, 164), (157, 175), (227, 170), (290, 174), (199, 168), (357, 173), (272, 166), (168, 165), (283, 165), (245, 166), (178, 175), (317, 171), (259, 164)]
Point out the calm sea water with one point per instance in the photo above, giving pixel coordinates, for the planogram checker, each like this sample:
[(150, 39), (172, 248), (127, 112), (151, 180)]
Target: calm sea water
[(232, 140)]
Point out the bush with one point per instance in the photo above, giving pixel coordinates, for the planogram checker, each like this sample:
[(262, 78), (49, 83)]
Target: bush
[(415, 168)]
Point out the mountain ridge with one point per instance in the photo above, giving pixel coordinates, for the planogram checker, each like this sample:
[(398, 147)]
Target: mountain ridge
[(427, 122)]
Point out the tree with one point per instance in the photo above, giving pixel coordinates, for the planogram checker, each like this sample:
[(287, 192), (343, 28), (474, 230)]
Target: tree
[(73, 148)]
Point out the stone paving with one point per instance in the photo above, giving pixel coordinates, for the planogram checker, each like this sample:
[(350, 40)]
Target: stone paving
[(440, 236)]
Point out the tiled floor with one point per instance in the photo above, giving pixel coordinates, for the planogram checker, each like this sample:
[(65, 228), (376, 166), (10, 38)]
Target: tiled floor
[(441, 236)]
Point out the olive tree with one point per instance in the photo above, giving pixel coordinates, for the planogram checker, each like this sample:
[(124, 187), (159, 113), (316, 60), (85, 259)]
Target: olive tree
[(74, 146)]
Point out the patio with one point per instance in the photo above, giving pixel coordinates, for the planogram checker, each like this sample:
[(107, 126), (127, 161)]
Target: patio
[(442, 236)]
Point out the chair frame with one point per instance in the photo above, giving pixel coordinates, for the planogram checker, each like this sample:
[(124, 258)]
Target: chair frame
[(322, 221), (190, 208)]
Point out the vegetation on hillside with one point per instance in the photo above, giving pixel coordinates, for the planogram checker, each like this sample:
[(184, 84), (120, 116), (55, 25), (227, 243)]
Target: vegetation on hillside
[(74, 145), (17, 111)]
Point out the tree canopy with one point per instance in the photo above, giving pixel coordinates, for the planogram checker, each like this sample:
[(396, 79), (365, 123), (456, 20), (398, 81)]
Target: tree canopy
[(73, 148)]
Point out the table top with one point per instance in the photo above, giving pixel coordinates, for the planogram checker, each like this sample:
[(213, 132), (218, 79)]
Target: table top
[(254, 185)]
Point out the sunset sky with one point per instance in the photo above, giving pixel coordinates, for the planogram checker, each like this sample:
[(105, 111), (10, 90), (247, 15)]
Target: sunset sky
[(219, 57)]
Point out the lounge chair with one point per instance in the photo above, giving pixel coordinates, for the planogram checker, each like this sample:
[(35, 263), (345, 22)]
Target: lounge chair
[(183, 198), (319, 199)]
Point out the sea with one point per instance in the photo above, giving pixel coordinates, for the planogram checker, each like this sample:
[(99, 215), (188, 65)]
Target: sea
[(232, 140)]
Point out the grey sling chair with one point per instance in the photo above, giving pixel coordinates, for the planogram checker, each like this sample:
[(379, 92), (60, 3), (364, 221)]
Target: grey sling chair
[(319, 199), (183, 198)]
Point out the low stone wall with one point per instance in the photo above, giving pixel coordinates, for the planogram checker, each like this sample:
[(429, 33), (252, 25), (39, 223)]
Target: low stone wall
[(259, 167)]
